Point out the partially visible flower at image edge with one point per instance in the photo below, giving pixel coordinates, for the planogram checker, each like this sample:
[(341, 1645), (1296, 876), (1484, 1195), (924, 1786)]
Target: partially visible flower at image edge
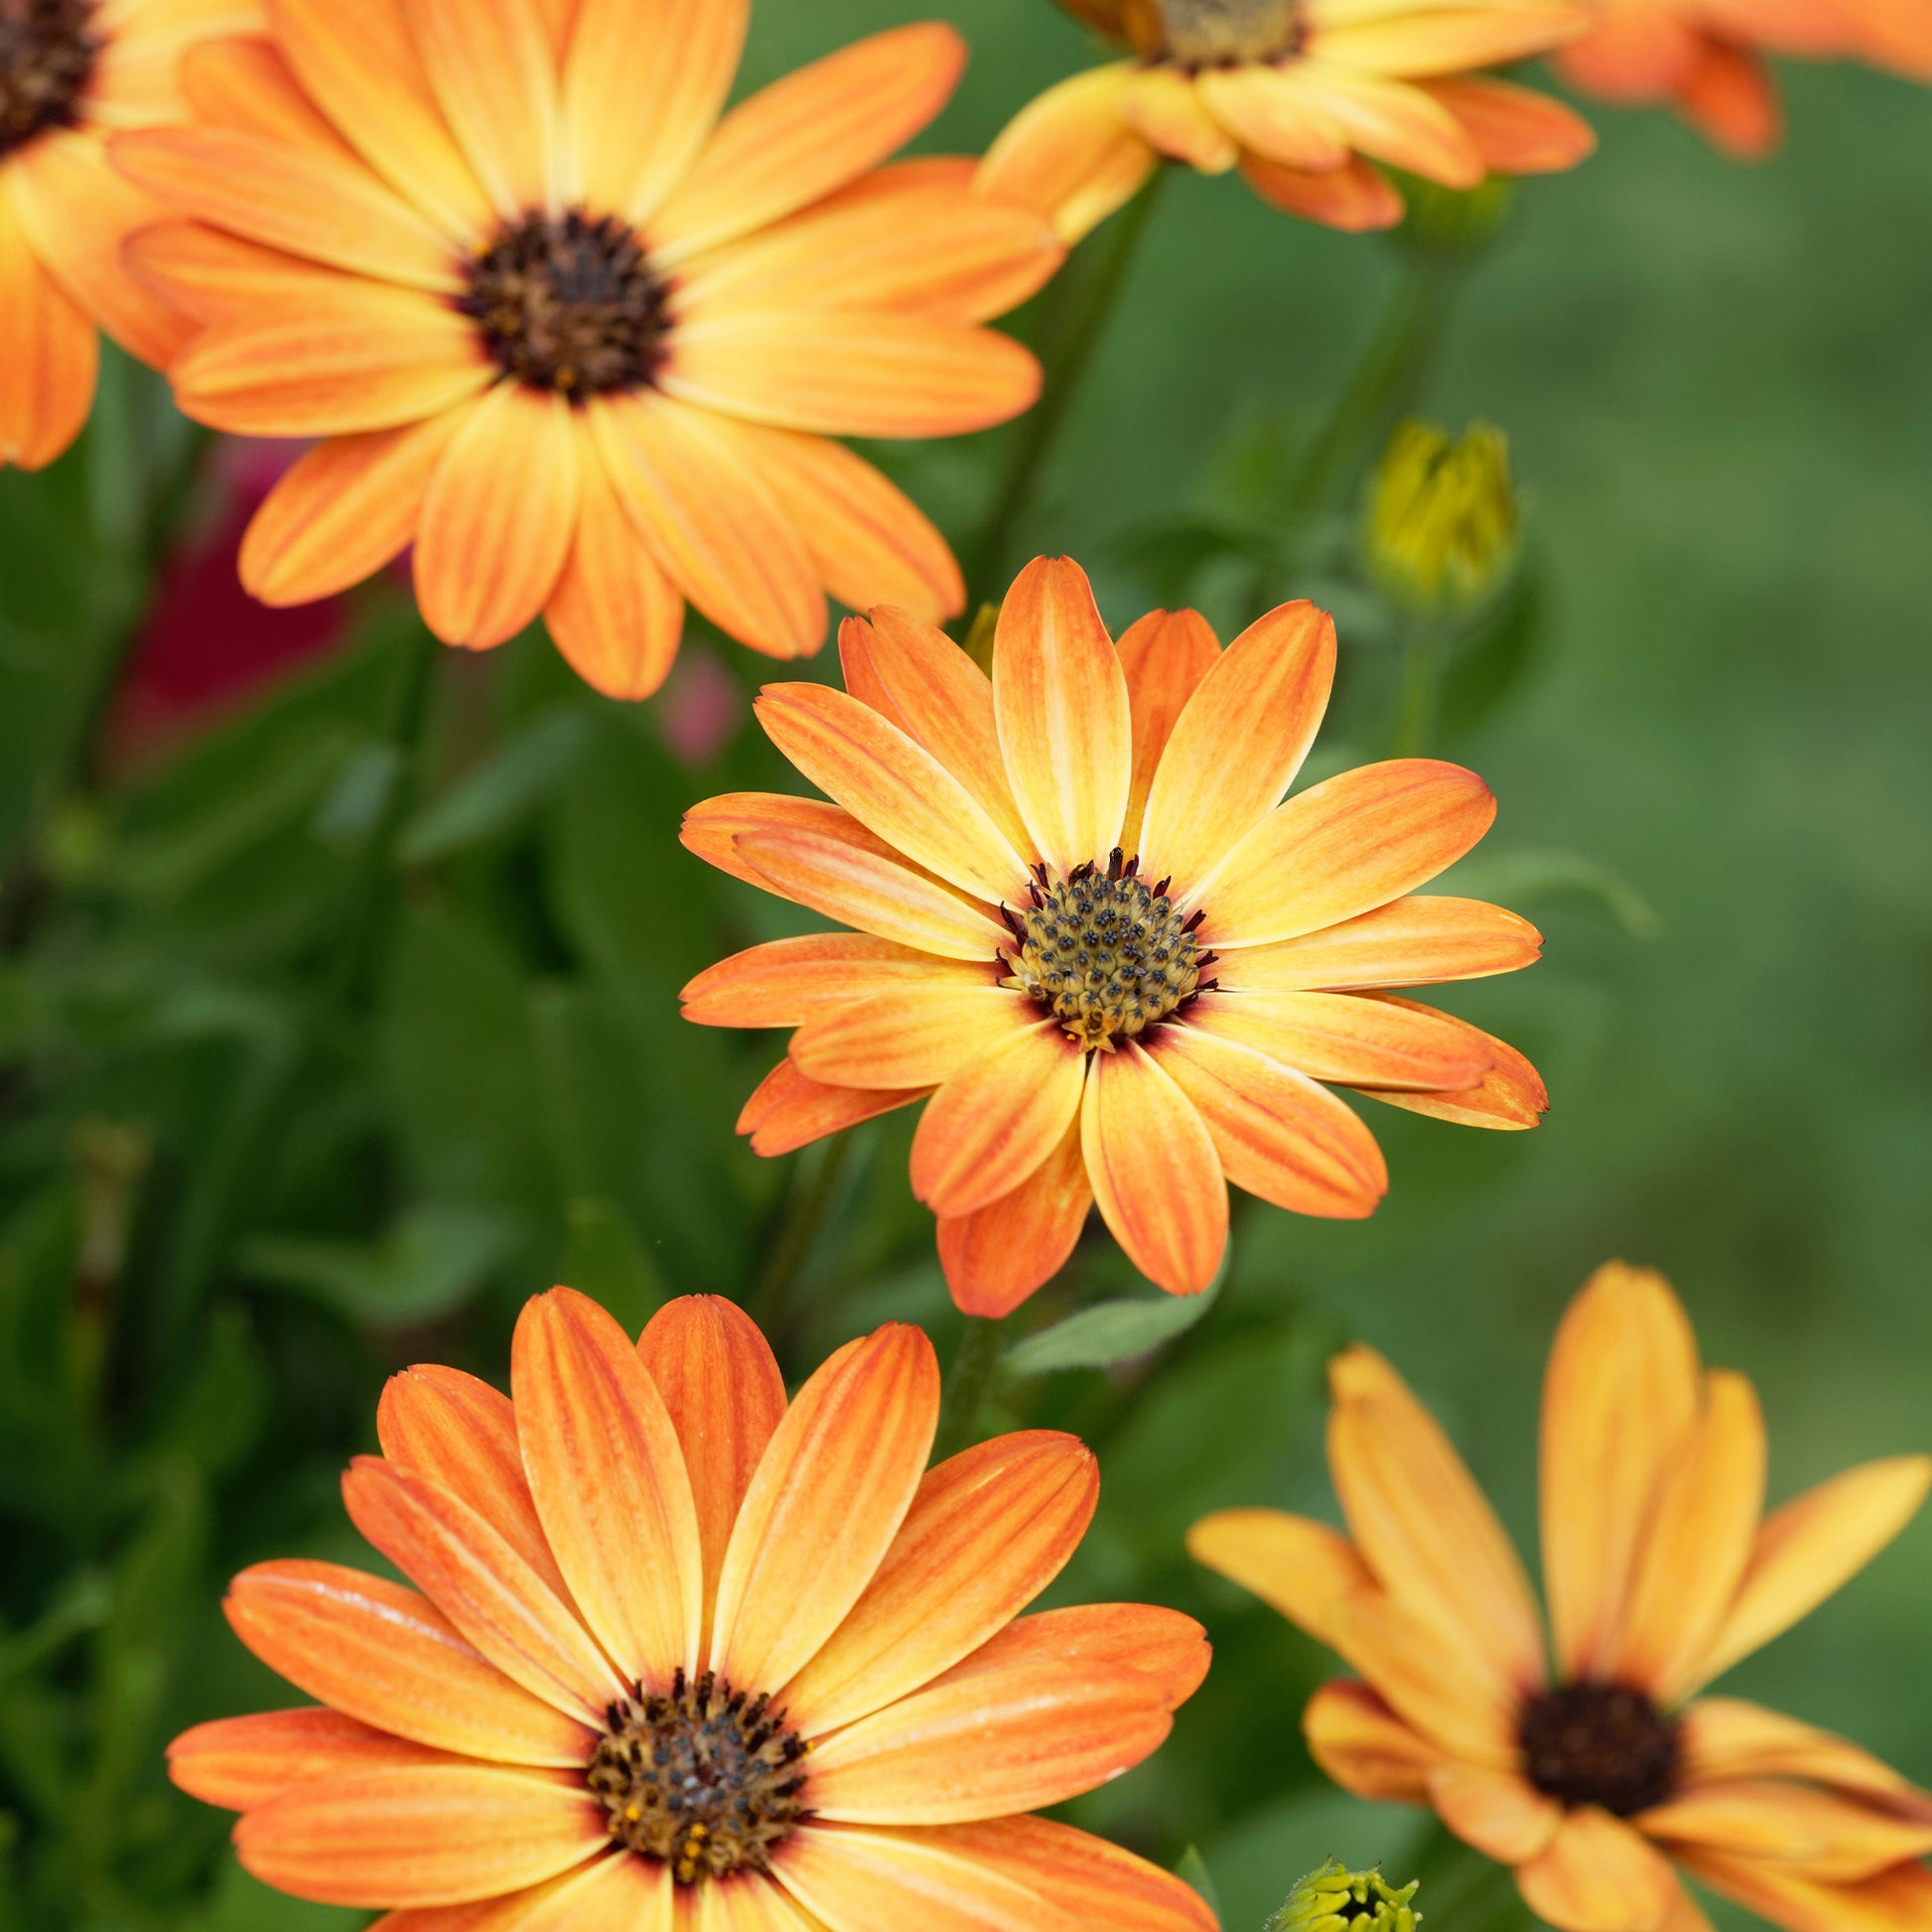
[(1093, 939), (1304, 96), (676, 1644), (1706, 58), (71, 73), (579, 337), (1661, 1573)]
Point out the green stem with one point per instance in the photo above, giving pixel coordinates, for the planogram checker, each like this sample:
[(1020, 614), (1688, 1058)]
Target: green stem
[(967, 1383), (1420, 665), (1077, 306), (810, 1205)]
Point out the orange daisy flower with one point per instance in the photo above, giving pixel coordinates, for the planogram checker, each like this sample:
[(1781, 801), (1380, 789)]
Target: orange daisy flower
[(71, 72), (1092, 933), (577, 337), (1707, 57), (1589, 1780), (1304, 96), (680, 1648)]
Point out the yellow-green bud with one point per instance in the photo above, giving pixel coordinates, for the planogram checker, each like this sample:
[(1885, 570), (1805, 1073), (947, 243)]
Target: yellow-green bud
[(1442, 518), (1336, 1899)]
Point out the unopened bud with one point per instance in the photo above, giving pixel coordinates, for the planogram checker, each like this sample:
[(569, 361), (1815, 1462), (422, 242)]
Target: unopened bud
[(1442, 519), (1455, 220), (1336, 1899)]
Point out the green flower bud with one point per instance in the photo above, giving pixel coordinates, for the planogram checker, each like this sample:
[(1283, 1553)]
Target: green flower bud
[(1455, 220), (1336, 1899), (1442, 519)]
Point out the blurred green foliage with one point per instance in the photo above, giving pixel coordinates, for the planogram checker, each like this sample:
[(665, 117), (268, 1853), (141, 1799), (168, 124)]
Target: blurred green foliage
[(320, 1051)]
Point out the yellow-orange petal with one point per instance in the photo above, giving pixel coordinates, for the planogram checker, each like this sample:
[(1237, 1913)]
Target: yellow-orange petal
[(386, 1656), (608, 1476), (788, 1111), (1342, 848), (1393, 121), (855, 1878), (1635, 55), (1517, 130), (1236, 747), (1089, 1879), (243, 84), (1728, 1737), (1167, 109), (1364, 1747), (720, 1385), (1598, 1875), (1441, 40), (644, 81), (1269, 111), (993, 1124), (1511, 1095), (998, 1254), (1168, 1649), (1156, 1177), (808, 134), (1812, 1546), (617, 1894), (1350, 1038), (344, 509), (1898, 1901), (49, 354), (1423, 1524), (1358, 199), (1301, 1567), (786, 982), (1070, 153), (988, 1529), (499, 517), (1278, 1134), (240, 1762), (911, 237), (490, 67), (363, 356), (437, 1835), (849, 371), (1420, 940), (914, 674), (845, 881), (614, 614), (887, 782), (454, 1431), (473, 1576), (1697, 1543), (990, 1737), (1500, 1813), (712, 827), (830, 1493), (1728, 96), (866, 537), (210, 275), (913, 1034), (1820, 1833), (688, 482), (1619, 1397), (327, 208), (358, 60), (1164, 656), (1059, 699)]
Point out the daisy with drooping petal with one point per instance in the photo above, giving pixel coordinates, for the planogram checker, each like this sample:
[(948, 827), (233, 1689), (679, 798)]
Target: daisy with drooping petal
[(1661, 1573), (676, 1647), (71, 73), (1304, 96), (1092, 934), (580, 339), (1706, 58)]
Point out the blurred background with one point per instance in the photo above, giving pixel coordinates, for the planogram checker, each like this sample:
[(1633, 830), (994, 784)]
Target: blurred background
[(313, 1063)]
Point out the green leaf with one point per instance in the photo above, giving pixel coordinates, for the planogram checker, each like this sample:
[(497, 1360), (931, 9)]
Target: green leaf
[(1192, 1870), (1520, 878), (432, 1260), (605, 1259), (1493, 656), (1109, 1333), (502, 790)]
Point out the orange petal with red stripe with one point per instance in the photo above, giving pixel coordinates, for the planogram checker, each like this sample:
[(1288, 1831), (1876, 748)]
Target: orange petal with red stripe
[(998, 1254), (240, 1762), (786, 982), (1343, 847), (829, 1496), (988, 1531), (1090, 1880), (1164, 656), (439, 1835), (609, 1479), (1728, 96), (1358, 199), (1517, 130), (1070, 152), (712, 827), (1511, 1095), (211, 275), (383, 1654), (1347, 1037), (245, 86), (853, 1878), (810, 133), (787, 1111), (344, 509), (1061, 701), (913, 1035), (492, 72), (992, 1125), (1365, 1747), (1167, 1648), (1419, 940), (48, 355)]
